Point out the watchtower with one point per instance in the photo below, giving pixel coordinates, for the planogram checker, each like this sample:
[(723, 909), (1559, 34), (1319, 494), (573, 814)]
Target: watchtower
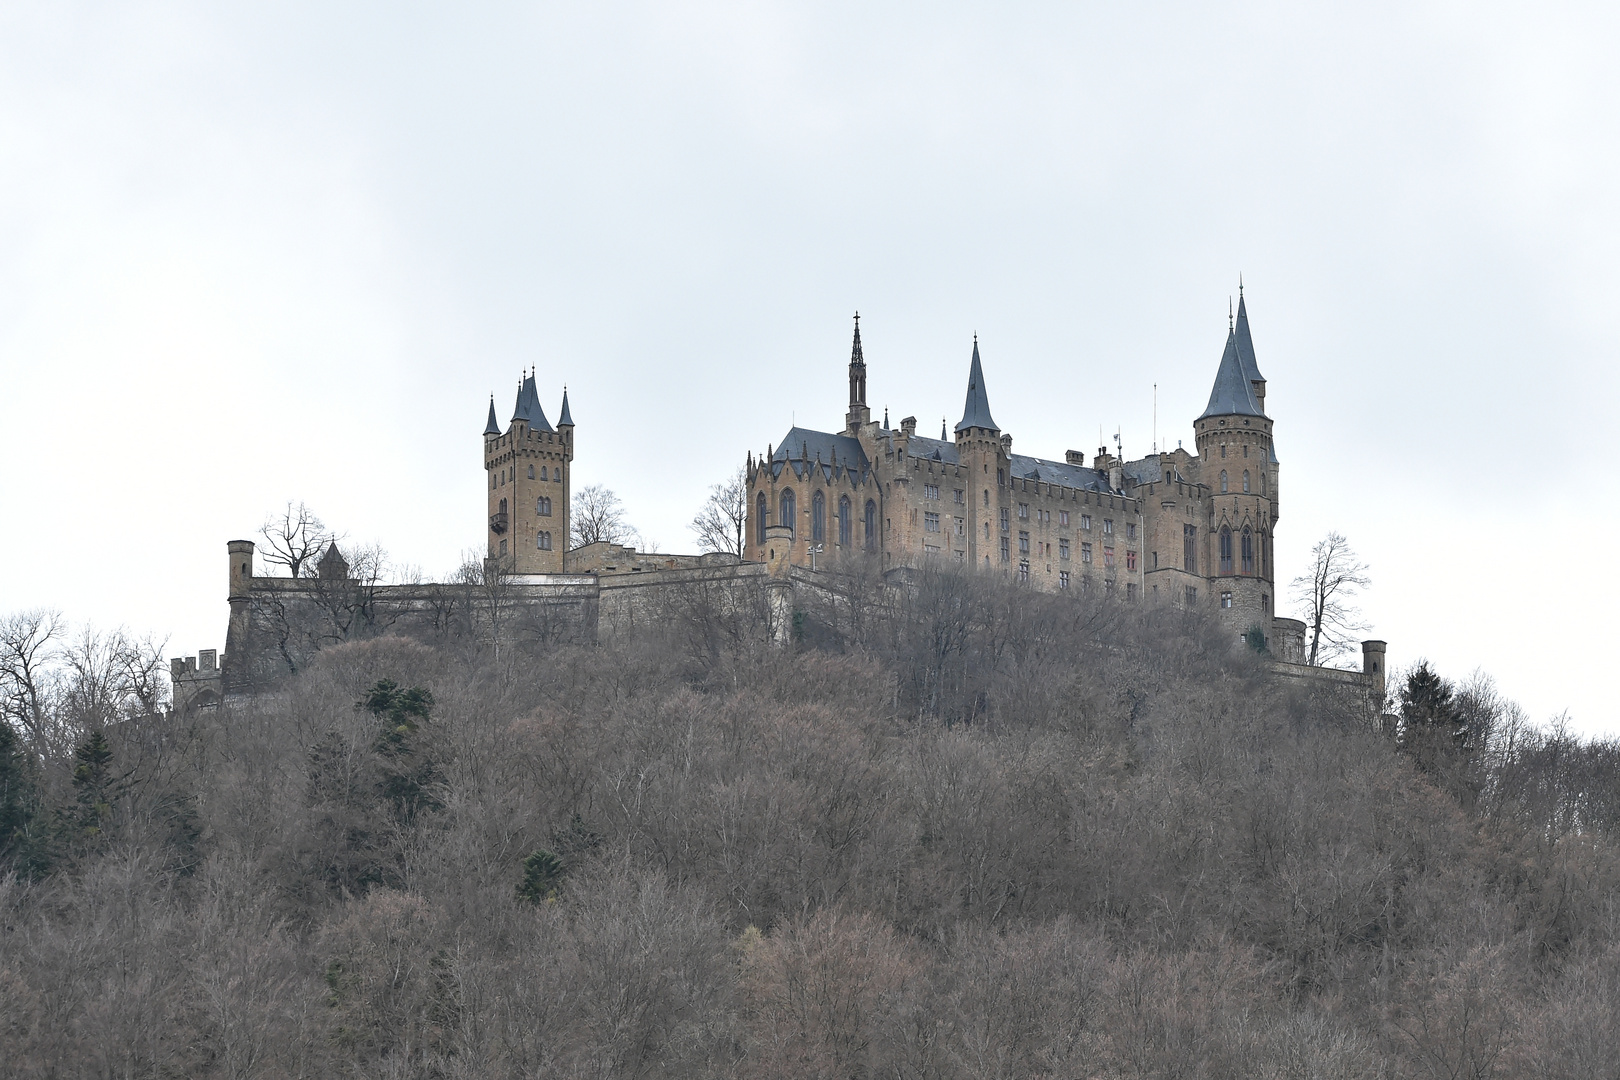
[(529, 466)]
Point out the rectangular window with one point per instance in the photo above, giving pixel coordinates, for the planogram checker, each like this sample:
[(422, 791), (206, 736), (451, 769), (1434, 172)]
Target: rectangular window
[(1189, 548), (1130, 531), (1108, 526), (1085, 551), (1063, 517), (1192, 595), (1006, 519), (930, 549), (961, 497), (1108, 556), (1006, 556), (1023, 543), (1130, 590), (1063, 548), (930, 491), (1023, 511), (1226, 599), (960, 556), (961, 526), (1063, 579), (1023, 572), (930, 523), (1130, 559), (1085, 522)]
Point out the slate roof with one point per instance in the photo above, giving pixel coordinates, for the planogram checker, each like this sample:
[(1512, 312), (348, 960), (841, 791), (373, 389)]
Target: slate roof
[(801, 448), (1079, 477), (1245, 344), (567, 418), (491, 427), (976, 410), (1231, 395), (528, 406)]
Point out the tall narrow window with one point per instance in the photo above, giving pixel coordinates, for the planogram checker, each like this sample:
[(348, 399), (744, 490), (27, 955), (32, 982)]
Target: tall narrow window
[(543, 474), (760, 513), (1262, 481), (1245, 481), (1248, 550), (1223, 481), (531, 472), (1226, 550), (789, 515), (818, 518), (844, 523), (1189, 548), (871, 526)]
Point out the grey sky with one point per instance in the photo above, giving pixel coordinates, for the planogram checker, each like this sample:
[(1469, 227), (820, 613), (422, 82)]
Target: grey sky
[(247, 256)]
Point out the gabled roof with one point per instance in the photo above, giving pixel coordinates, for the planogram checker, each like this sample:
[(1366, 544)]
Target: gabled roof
[(567, 418), (1232, 394), (1245, 344), (976, 410), (491, 427)]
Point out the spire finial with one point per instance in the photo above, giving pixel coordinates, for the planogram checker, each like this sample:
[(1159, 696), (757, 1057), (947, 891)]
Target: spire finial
[(1240, 283), (1229, 313)]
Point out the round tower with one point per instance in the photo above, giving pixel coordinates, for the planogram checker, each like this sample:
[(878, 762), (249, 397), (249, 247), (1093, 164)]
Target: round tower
[(1238, 466)]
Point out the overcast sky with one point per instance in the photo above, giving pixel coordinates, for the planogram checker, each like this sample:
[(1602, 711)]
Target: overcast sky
[(253, 253)]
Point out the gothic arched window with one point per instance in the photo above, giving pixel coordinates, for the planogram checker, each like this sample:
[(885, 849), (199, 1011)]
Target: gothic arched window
[(542, 506), (1245, 481), (760, 513), (818, 518), (871, 526), (1226, 550), (789, 515), (845, 525), (1223, 481), (1262, 481), (543, 540), (531, 472), (1248, 551)]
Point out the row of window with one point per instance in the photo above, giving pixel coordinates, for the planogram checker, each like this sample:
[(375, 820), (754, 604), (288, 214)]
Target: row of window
[(1245, 482), (502, 476), (788, 506)]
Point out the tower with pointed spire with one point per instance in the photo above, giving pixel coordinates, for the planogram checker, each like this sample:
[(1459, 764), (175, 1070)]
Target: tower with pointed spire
[(528, 469), (859, 415)]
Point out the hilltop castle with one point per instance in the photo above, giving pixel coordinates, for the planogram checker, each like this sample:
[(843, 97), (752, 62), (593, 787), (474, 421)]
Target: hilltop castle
[(1172, 528), (1169, 528)]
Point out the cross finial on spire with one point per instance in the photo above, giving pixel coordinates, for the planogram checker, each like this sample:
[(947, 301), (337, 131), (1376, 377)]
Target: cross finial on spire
[(1240, 283), (1229, 313)]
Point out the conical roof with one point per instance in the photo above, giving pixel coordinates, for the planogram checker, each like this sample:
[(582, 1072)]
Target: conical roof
[(1232, 394), (857, 359), (491, 426), (976, 410), (1245, 344), (567, 418)]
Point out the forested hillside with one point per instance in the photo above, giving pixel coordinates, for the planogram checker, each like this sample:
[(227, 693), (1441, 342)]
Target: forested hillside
[(988, 834)]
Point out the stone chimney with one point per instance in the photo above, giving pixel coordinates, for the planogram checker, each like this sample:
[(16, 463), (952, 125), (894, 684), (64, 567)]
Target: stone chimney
[(1074, 457)]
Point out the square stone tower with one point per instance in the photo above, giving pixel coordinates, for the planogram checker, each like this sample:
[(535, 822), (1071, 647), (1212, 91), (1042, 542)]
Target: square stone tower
[(529, 466)]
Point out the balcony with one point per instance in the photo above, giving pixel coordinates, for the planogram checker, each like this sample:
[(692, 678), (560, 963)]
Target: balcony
[(498, 522)]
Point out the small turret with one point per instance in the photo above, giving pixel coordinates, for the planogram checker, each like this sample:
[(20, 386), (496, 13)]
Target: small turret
[(566, 419), (492, 426), (976, 409), (858, 415)]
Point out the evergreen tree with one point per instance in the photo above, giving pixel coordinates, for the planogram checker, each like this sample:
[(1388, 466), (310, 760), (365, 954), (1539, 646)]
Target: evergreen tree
[(92, 779), (409, 774), (21, 847), (1432, 730)]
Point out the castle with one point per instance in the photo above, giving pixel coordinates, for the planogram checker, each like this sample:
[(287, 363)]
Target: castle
[(1171, 528)]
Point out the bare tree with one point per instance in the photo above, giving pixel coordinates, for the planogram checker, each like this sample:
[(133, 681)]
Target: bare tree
[(29, 644), (724, 516), (295, 539), (1324, 596), (599, 515)]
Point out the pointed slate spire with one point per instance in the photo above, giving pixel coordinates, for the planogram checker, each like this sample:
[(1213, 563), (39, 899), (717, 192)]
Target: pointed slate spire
[(520, 411), (567, 418), (1231, 395), (490, 426), (533, 413), (1245, 344), (976, 410)]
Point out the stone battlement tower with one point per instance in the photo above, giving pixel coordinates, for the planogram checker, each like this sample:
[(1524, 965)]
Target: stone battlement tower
[(529, 485)]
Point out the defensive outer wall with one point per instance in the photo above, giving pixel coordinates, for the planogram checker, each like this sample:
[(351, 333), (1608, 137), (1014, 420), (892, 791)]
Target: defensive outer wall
[(277, 624)]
